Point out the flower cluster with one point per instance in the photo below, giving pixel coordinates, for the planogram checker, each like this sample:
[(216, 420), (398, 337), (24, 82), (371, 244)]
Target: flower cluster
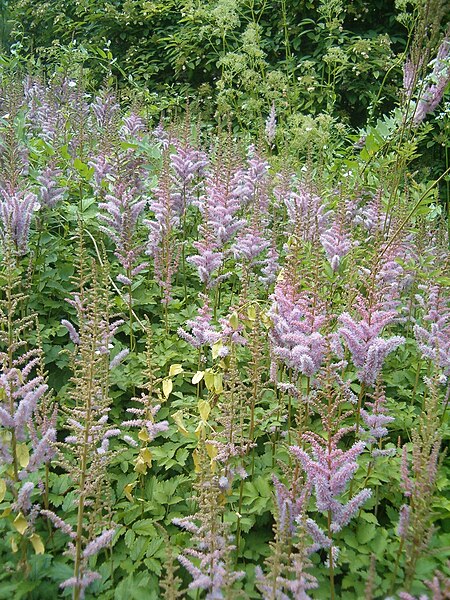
[(295, 335), (362, 337), (329, 470)]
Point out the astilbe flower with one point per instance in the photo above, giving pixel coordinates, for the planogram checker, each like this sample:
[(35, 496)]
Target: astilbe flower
[(271, 125), (251, 241), (439, 78), (21, 392), (162, 136), (295, 336), (362, 337), (377, 419), (144, 415), (411, 70), (208, 260), (123, 209), (16, 212), (85, 451), (296, 538), (105, 109), (103, 169), (209, 563), (162, 245), (25, 422), (187, 167), (231, 331), (271, 266), (249, 184), (203, 332), (433, 336), (391, 277), (250, 244), (49, 192), (329, 470), (418, 482), (22, 386), (220, 206), (43, 116), (308, 215), (336, 243), (133, 126), (368, 213)]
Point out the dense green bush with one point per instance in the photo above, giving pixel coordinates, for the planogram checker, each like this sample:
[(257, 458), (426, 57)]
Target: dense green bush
[(243, 54)]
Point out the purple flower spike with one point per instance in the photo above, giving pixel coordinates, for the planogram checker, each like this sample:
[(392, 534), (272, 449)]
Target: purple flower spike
[(329, 470), (16, 211), (363, 339)]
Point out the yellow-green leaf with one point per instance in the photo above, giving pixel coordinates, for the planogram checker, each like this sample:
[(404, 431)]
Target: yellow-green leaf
[(198, 377), (234, 320), (197, 465), (14, 546), (175, 370), (204, 409), (167, 387), (178, 418), (146, 456), (23, 455), (200, 431), (128, 489), (251, 312), (216, 348), (20, 523), (209, 379), (143, 435), (211, 450), (38, 546), (2, 489), (140, 466), (218, 383)]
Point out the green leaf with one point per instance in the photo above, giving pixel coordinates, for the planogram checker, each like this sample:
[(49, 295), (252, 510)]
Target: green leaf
[(144, 527), (365, 532)]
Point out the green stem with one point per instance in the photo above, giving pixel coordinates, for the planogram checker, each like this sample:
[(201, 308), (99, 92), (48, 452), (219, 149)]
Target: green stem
[(330, 560)]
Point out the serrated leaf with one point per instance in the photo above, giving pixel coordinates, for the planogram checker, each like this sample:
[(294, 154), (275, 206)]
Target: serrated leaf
[(130, 536), (365, 532), (37, 543), (144, 527), (167, 387), (198, 377), (20, 523), (175, 370)]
